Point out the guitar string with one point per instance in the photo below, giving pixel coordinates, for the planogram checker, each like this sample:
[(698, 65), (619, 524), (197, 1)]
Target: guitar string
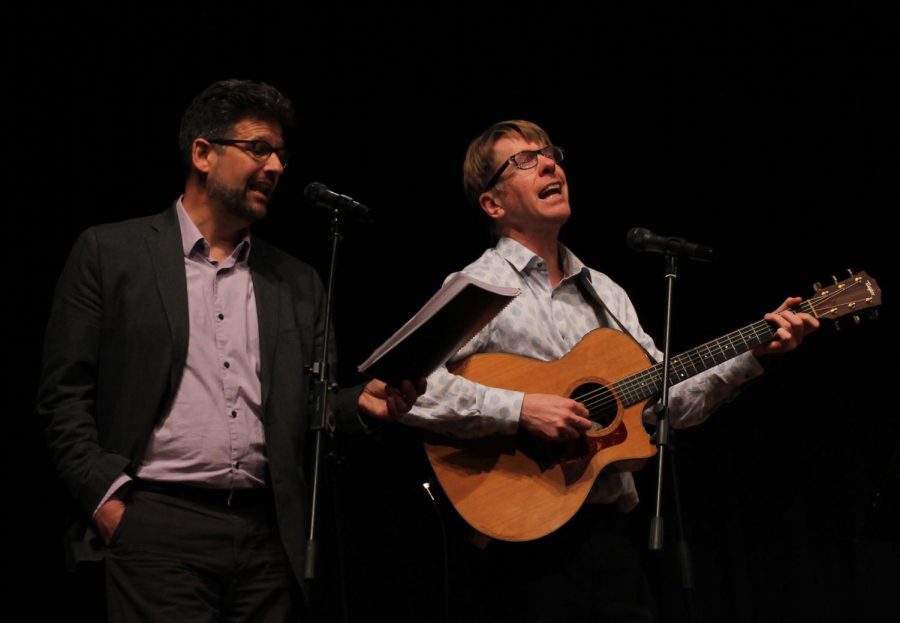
[(604, 397)]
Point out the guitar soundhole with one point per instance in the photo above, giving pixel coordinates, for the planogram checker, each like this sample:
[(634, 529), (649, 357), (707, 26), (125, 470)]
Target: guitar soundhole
[(599, 401)]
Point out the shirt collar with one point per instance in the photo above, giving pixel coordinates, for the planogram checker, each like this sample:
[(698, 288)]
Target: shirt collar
[(523, 259), (191, 238)]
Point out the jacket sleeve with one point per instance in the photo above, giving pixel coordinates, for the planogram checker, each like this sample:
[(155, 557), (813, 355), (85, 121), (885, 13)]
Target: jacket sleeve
[(68, 385)]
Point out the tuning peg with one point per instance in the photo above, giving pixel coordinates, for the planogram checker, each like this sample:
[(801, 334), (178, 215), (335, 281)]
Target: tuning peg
[(856, 319), (817, 286), (837, 325), (872, 314), (850, 272), (835, 280)]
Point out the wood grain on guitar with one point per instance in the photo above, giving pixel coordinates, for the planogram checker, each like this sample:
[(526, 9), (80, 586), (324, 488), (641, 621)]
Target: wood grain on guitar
[(516, 488)]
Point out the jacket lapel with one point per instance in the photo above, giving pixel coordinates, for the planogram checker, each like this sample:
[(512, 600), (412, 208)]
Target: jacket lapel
[(267, 290), (167, 259)]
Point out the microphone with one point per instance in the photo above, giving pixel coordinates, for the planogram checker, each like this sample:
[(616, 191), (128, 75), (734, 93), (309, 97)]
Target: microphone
[(319, 195), (640, 239)]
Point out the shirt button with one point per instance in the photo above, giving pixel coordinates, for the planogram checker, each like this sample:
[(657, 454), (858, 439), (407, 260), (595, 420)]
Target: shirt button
[(221, 316), (227, 365), (234, 414)]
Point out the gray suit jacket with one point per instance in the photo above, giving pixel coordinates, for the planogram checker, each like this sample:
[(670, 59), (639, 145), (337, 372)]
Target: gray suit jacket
[(115, 350)]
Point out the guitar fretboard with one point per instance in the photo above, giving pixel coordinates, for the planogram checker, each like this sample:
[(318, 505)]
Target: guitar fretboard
[(648, 383)]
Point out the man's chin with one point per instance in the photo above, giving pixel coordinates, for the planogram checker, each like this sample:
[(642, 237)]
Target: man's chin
[(258, 210), (257, 205), (250, 211), (559, 214)]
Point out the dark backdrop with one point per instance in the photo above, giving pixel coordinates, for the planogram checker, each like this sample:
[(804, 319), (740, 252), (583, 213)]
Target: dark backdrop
[(767, 131)]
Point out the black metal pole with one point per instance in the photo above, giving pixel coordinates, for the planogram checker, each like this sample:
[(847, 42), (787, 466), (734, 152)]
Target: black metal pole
[(661, 408), (666, 451), (322, 389)]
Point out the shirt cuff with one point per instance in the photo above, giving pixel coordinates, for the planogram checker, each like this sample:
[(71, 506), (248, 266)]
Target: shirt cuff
[(743, 368), (503, 407), (123, 481), (348, 419)]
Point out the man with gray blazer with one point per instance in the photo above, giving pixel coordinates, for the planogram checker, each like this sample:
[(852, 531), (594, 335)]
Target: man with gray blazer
[(172, 392)]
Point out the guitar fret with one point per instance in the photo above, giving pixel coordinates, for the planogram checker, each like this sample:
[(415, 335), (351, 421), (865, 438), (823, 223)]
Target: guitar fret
[(747, 347), (638, 386), (708, 358), (715, 352), (727, 346), (702, 358), (673, 368), (729, 350), (692, 361)]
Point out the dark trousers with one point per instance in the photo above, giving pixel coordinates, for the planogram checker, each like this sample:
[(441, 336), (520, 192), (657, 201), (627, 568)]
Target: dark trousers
[(179, 558), (588, 570)]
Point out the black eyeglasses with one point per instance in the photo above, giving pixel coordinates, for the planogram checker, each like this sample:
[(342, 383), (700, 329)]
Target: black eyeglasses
[(527, 159), (261, 150)]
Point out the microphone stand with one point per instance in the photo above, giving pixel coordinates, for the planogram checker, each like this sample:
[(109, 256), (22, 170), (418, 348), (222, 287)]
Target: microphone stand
[(663, 440), (322, 389)]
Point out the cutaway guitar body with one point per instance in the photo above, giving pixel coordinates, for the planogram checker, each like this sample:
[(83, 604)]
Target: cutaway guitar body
[(514, 488)]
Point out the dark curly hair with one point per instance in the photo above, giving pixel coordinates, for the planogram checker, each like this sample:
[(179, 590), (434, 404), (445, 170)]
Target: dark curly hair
[(222, 104)]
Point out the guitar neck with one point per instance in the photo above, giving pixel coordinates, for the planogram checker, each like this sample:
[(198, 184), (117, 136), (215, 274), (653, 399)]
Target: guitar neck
[(648, 383)]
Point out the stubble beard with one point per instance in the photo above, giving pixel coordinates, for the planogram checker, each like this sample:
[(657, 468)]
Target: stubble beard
[(235, 202)]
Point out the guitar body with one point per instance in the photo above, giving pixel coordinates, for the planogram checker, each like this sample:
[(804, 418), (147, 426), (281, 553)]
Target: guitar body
[(510, 487)]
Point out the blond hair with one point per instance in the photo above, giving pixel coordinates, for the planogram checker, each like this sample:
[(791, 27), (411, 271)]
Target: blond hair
[(479, 165)]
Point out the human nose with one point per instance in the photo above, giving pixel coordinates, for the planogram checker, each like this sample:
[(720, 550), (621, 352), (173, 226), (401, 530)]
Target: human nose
[(546, 164), (274, 164)]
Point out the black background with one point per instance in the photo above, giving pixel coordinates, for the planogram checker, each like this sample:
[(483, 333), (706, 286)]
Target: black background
[(767, 131)]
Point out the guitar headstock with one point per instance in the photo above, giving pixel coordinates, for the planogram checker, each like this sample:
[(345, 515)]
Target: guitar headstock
[(853, 295)]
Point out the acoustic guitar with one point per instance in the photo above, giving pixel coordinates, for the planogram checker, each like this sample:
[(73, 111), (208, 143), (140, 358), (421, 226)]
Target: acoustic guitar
[(518, 488)]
